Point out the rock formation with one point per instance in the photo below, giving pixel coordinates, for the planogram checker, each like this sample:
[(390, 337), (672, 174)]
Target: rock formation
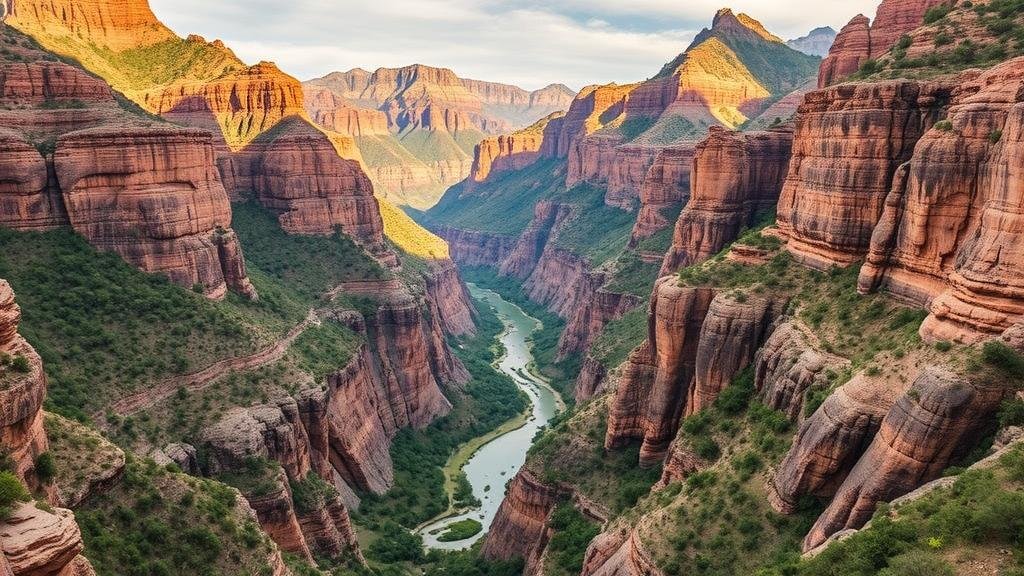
[(520, 529), (21, 394), (848, 142), (666, 189), (832, 440), (787, 367), (510, 152), (153, 196), (736, 177), (657, 378), (946, 233), (936, 422), (34, 542), (449, 299), (733, 331), (858, 41)]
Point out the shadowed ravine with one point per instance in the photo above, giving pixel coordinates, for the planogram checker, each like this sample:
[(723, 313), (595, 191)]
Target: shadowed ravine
[(491, 466)]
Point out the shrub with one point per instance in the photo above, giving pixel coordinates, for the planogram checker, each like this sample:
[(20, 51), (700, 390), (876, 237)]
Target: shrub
[(46, 468), (943, 346), (937, 13), (904, 42), (995, 136), (21, 364), (943, 39), (11, 491), (706, 448), (1011, 413), (869, 67), (944, 125), (1003, 358), (918, 563)]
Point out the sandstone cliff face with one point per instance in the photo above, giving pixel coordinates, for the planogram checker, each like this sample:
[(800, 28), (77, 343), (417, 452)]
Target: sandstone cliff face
[(591, 380), (848, 142), (588, 320), (119, 24), (449, 300), (630, 558), (34, 83), (21, 395), (300, 175), (240, 105), (736, 177), (858, 41), (656, 379), (510, 152), (732, 332), (951, 220), (475, 248), (934, 424), (27, 202), (830, 442), (520, 529), (154, 197), (35, 542), (666, 186)]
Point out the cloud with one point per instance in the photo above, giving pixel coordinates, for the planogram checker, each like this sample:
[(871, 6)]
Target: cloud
[(527, 42)]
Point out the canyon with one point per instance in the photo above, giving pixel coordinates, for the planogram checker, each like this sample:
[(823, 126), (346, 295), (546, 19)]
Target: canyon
[(776, 292)]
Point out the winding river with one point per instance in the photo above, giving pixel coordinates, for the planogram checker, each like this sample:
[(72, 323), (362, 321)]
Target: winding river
[(496, 462)]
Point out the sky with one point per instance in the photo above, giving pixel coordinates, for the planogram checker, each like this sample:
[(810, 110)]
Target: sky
[(529, 43)]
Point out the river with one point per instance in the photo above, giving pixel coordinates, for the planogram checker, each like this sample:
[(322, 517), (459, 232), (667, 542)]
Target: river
[(495, 463)]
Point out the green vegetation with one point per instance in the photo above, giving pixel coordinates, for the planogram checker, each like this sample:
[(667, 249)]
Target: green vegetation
[(470, 563), (255, 478), (632, 275), (597, 232), (619, 338), (982, 512), (156, 522), (45, 467), (503, 205), (104, 328), (489, 400), (573, 533), (309, 265), (11, 492), (560, 374), (718, 521), (312, 494), (323, 349), (461, 530)]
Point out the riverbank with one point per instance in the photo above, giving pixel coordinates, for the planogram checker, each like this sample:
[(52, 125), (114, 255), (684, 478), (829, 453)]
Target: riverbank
[(489, 460)]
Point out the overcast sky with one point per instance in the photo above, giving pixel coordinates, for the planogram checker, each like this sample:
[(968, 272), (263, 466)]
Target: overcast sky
[(531, 43)]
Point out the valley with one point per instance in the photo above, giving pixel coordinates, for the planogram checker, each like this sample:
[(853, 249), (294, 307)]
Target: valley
[(759, 310)]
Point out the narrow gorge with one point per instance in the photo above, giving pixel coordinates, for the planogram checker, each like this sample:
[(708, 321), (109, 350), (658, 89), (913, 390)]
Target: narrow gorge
[(757, 311)]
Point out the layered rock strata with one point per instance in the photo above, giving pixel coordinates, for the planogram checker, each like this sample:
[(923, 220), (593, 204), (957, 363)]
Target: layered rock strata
[(849, 141), (947, 234), (736, 177), (933, 425)]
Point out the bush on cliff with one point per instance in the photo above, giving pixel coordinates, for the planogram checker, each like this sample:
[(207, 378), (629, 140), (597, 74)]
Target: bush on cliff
[(11, 492)]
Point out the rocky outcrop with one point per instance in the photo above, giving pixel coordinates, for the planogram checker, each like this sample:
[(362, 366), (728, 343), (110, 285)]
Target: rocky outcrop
[(788, 366), (734, 329), (735, 178), (34, 542), (934, 424), (520, 529), (21, 394), (476, 248), (849, 141), (448, 298), (332, 111), (832, 440), (656, 380), (327, 528), (588, 320), (591, 380), (852, 47), (510, 152), (153, 196), (50, 83), (858, 41), (627, 173), (631, 558), (531, 244), (665, 189), (119, 25), (300, 175), (953, 210), (276, 513), (239, 105), (27, 201)]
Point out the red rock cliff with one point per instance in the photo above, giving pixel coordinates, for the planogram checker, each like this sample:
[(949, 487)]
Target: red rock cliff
[(951, 221), (848, 142), (153, 196), (736, 177), (858, 42)]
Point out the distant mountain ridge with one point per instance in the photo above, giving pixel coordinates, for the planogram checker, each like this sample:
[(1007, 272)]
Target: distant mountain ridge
[(417, 125), (817, 42)]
